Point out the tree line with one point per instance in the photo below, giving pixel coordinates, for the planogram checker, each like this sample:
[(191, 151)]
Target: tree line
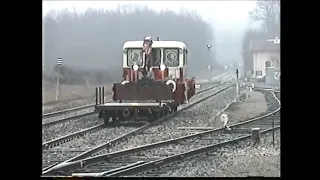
[(91, 42)]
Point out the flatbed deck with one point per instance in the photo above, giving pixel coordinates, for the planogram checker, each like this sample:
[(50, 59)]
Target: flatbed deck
[(118, 105)]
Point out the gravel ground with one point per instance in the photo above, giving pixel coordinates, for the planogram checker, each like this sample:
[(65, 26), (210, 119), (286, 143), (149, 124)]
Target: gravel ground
[(262, 160), (59, 130), (68, 127), (255, 106), (199, 115), (188, 145), (47, 108), (67, 115), (155, 153), (230, 161), (197, 166), (70, 104), (76, 103), (239, 160), (85, 142)]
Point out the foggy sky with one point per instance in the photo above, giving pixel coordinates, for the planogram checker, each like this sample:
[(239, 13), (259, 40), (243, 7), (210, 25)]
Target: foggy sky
[(229, 18)]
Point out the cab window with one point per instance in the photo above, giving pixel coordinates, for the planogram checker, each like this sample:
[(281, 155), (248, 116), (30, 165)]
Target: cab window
[(156, 55), (171, 57), (185, 56)]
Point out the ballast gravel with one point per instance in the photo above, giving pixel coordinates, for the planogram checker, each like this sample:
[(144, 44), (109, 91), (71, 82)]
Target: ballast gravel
[(199, 115), (59, 130), (156, 153), (87, 101), (246, 109), (71, 104), (67, 115), (85, 142), (240, 160), (261, 160), (188, 145), (88, 141)]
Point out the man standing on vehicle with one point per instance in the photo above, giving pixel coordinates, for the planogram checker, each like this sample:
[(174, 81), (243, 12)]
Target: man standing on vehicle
[(147, 49)]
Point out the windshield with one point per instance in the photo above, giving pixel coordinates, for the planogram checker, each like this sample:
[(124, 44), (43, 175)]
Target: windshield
[(171, 57), (135, 56)]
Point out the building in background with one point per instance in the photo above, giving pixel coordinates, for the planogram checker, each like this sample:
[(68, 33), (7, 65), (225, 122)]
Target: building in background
[(266, 54)]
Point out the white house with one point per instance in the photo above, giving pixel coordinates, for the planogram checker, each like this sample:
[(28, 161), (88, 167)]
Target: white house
[(265, 54)]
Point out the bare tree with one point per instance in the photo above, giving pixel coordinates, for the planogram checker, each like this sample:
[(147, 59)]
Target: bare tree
[(268, 12)]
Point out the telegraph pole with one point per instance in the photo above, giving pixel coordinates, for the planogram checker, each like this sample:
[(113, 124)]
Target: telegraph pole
[(209, 46), (237, 83), (59, 64)]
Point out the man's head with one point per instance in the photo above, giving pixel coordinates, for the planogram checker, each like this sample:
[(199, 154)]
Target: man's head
[(147, 40)]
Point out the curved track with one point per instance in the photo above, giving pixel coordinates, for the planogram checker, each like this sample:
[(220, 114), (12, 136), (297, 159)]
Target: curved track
[(105, 145), (105, 135), (68, 123), (146, 157)]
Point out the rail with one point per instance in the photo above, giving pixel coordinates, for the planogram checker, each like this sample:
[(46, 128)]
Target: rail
[(92, 105), (164, 161), (136, 131), (47, 124), (78, 163)]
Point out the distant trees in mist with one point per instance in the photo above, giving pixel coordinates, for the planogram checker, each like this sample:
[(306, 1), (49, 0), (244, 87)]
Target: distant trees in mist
[(268, 14), (92, 41)]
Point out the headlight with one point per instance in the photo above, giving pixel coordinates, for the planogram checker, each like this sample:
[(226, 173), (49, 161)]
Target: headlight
[(135, 57), (171, 57), (162, 67), (135, 67)]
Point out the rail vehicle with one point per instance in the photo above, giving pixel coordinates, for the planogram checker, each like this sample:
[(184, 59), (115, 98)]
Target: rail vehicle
[(154, 82)]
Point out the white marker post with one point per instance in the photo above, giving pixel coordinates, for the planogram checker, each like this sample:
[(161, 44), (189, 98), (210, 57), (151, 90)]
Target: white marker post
[(225, 119), (59, 64), (246, 88)]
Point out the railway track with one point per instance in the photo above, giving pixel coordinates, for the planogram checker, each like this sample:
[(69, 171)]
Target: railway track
[(58, 113), (62, 130), (64, 116), (155, 155), (133, 132)]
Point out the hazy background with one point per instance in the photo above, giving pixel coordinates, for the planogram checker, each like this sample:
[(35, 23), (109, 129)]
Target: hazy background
[(88, 35)]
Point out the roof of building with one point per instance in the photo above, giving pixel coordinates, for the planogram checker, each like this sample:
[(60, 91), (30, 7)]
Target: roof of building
[(264, 46)]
